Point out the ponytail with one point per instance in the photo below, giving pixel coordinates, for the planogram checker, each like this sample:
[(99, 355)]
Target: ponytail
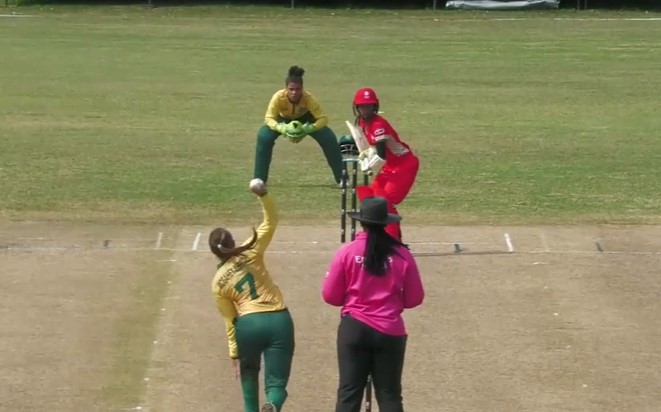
[(378, 249), (221, 244)]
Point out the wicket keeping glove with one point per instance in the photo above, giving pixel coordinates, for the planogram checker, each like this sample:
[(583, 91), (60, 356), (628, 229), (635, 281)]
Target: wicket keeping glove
[(294, 127), (281, 128), (296, 138), (308, 128), (294, 131)]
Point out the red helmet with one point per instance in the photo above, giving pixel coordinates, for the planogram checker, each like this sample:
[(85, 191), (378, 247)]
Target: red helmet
[(365, 95)]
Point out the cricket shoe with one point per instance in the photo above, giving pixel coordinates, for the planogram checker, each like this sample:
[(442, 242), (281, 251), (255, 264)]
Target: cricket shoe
[(268, 407)]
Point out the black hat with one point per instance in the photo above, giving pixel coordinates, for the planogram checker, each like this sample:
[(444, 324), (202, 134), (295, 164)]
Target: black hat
[(374, 210)]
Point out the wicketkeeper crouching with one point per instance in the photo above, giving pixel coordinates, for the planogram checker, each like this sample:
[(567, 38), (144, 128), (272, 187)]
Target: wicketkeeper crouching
[(295, 113)]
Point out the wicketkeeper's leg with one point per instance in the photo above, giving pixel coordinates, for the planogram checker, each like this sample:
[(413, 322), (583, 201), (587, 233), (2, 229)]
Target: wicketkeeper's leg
[(264, 152), (331, 148)]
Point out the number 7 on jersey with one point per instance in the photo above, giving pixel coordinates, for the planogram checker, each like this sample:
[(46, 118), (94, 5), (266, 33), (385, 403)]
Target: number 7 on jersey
[(250, 280)]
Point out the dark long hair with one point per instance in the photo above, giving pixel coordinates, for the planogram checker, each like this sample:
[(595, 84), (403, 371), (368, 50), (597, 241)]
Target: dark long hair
[(379, 247), (222, 244)]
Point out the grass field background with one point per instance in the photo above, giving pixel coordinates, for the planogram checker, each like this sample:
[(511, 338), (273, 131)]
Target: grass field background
[(149, 115)]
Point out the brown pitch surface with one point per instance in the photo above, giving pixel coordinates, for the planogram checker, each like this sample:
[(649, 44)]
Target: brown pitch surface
[(554, 325)]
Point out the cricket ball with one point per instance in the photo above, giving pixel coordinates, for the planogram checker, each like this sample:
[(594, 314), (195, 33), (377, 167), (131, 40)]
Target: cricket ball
[(257, 184)]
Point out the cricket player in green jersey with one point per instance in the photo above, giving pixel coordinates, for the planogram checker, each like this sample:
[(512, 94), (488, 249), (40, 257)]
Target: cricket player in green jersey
[(257, 320), (295, 113)]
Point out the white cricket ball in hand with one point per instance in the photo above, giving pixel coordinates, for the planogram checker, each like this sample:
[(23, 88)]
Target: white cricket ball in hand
[(258, 186)]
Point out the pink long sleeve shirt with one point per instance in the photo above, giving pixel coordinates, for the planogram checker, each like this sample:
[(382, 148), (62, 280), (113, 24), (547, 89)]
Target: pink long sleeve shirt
[(377, 301)]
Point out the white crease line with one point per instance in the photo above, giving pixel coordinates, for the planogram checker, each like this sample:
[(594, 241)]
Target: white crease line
[(17, 15), (508, 241), (196, 242), (159, 240)]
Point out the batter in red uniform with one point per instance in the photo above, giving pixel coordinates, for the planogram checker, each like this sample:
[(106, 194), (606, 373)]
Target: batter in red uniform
[(389, 159)]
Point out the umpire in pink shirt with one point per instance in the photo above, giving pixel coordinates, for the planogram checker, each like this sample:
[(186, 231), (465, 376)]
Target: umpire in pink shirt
[(373, 278)]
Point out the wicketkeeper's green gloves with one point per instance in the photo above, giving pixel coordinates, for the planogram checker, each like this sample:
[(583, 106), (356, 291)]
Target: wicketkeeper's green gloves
[(281, 128), (293, 127), (308, 128), (296, 139), (295, 131)]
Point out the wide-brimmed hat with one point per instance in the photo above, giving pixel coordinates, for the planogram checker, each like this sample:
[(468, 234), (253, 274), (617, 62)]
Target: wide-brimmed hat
[(374, 210)]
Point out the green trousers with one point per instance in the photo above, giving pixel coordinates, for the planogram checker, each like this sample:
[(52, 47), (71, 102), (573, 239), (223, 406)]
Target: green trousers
[(270, 334), (324, 137)]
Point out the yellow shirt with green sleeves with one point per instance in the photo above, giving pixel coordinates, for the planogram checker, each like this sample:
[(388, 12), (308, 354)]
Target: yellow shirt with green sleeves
[(243, 285), (280, 106)]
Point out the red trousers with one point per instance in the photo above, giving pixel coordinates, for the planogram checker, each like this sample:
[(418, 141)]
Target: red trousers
[(393, 183)]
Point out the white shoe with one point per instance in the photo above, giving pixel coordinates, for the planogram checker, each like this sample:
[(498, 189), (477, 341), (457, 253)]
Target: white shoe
[(269, 407)]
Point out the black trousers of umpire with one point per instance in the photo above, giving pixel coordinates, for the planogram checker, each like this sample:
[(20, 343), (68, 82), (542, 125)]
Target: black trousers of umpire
[(364, 351)]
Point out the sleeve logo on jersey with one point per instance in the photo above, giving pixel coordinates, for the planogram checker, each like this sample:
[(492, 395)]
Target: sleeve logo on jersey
[(379, 132)]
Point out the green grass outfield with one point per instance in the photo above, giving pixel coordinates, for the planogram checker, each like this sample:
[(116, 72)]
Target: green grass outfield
[(131, 114)]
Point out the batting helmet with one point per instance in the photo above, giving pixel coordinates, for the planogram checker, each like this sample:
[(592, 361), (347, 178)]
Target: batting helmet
[(348, 145), (365, 95)]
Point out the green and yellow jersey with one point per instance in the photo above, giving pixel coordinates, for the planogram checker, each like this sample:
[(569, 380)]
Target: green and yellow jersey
[(243, 285), (281, 107)]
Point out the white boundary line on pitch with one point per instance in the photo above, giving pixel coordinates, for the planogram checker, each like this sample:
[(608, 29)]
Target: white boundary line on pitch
[(17, 15)]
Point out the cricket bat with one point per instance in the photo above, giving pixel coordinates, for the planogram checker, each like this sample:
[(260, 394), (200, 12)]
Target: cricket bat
[(358, 137)]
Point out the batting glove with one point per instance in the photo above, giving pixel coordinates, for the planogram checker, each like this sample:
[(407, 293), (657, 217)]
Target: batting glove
[(367, 153), (371, 163)]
